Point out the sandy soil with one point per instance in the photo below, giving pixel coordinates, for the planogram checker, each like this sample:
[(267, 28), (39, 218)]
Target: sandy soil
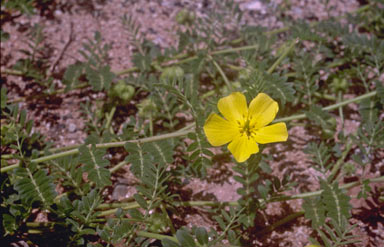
[(68, 24)]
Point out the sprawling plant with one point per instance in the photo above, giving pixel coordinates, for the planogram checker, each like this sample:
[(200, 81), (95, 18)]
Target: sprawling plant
[(170, 134)]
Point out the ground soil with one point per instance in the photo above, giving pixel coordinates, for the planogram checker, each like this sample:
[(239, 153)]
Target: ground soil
[(68, 24)]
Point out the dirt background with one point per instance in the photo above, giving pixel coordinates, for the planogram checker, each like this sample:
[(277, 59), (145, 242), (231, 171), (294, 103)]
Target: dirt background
[(68, 24)]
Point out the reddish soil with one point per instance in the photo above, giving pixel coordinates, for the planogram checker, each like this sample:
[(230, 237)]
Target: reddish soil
[(59, 118)]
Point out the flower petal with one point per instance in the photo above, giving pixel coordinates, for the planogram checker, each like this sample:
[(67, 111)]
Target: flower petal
[(242, 147), (262, 110), (272, 133), (233, 107), (218, 130)]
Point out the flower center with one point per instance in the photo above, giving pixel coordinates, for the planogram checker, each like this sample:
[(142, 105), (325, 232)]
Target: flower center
[(246, 128)]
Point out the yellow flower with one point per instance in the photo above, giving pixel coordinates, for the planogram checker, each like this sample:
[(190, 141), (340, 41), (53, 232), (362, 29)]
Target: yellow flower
[(244, 128)]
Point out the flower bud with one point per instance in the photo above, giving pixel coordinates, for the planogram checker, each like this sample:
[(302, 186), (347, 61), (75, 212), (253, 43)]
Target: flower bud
[(185, 17), (172, 73), (122, 92)]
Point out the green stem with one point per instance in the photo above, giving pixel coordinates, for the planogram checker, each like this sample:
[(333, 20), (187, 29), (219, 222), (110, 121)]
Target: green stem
[(117, 167), (59, 91), (150, 124), (325, 96), (340, 99), (210, 203), (178, 134), (280, 223), (156, 236), (124, 206), (336, 167), (7, 156), (230, 50), (109, 117), (12, 72), (282, 56), (9, 168), (54, 150), (229, 85), (169, 221), (318, 192), (132, 205), (114, 144), (328, 108)]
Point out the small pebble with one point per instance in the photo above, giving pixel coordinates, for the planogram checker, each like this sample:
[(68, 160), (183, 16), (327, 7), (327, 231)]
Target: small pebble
[(254, 6), (72, 127)]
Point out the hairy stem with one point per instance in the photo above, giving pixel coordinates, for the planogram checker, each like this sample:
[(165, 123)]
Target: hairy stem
[(178, 134), (131, 205), (328, 108)]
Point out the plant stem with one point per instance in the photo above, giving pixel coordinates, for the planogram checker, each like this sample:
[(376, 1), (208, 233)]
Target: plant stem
[(124, 206), (132, 205), (318, 192), (156, 236), (230, 50), (280, 222), (282, 56), (37, 96), (178, 134), (329, 108), (7, 156), (117, 167), (229, 85), (9, 168), (340, 161), (109, 117), (340, 99), (325, 96), (12, 72), (168, 219), (114, 144), (210, 203)]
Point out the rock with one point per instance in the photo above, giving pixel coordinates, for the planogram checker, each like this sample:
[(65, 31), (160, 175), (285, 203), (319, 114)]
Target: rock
[(72, 127)]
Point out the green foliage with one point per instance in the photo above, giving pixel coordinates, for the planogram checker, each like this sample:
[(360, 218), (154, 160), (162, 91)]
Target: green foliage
[(122, 93), (115, 231), (156, 111), (248, 178), (329, 214), (274, 85), (336, 202), (33, 185), (307, 76), (337, 235), (17, 131), (370, 133), (82, 214), (314, 211), (72, 75), (25, 6), (3, 97), (94, 165), (186, 92), (143, 156), (101, 78), (13, 211), (318, 116), (320, 155), (35, 66), (67, 170), (95, 67), (197, 236), (228, 221)]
